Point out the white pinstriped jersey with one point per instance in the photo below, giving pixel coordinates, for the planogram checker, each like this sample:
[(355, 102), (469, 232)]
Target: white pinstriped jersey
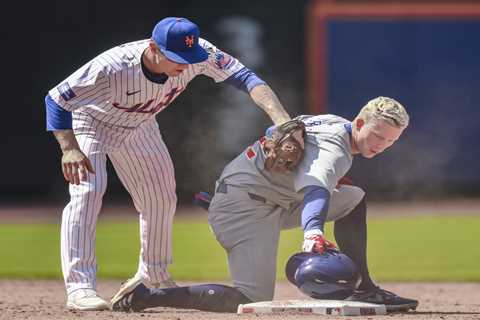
[(113, 89)]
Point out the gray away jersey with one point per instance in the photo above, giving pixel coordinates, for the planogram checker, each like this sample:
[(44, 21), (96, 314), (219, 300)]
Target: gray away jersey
[(113, 89), (327, 158)]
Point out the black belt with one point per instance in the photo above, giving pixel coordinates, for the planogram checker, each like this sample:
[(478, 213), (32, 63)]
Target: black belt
[(223, 188)]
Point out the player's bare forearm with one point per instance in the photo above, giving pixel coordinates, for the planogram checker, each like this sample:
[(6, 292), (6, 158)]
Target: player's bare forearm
[(266, 99), (66, 139)]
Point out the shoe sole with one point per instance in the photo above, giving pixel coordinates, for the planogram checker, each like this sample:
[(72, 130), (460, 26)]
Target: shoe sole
[(393, 307), (126, 289), (72, 306), (401, 307)]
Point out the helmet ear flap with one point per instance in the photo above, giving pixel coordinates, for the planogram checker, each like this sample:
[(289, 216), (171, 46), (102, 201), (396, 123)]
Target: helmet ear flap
[(331, 275)]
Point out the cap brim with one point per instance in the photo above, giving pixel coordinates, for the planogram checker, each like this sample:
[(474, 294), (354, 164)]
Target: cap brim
[(196, 55)]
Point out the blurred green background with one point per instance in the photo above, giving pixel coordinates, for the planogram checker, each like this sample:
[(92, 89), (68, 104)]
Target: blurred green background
[(413, 248)]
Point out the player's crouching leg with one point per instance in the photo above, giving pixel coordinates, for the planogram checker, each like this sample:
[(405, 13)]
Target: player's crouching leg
[(208, 297)]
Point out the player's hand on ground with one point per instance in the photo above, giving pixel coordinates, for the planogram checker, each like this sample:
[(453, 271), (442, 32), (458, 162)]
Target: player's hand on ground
[(76, 166), (314, 241)]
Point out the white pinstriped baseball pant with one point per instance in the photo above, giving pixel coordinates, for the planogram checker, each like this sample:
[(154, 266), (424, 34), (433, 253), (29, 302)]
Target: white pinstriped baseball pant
[(143, 164)]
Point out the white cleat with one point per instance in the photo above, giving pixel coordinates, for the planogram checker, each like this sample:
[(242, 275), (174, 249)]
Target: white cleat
[(129, 285), (86, 300)]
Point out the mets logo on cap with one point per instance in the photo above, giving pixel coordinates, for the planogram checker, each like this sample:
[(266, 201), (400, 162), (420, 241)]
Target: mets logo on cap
[(189, 41), (177, 39)]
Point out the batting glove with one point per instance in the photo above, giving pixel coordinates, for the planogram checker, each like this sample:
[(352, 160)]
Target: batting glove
[(313, 241)]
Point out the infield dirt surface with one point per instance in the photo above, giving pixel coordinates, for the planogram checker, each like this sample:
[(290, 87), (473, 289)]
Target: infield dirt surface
[(45, 299)]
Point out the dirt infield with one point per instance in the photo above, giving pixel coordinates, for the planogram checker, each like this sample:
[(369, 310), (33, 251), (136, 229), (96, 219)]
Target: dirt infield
[(45, 299)]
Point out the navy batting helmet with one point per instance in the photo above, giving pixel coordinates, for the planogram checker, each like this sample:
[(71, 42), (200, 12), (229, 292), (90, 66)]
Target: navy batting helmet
[(331, 275)]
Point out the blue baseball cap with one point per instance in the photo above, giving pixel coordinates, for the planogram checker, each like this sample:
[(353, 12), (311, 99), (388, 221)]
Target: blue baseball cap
[(177, 38)]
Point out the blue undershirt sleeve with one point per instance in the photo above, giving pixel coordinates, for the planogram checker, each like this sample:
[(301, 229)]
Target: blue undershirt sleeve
[(57, 117), (315, 208), (244, 79), (269, 131)]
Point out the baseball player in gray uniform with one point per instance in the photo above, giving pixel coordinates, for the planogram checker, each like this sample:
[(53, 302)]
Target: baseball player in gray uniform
[(108, 108), (252, 205)]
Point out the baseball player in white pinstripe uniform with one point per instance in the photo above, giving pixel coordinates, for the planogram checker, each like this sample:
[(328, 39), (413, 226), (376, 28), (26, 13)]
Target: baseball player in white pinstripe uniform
[(108, 108)]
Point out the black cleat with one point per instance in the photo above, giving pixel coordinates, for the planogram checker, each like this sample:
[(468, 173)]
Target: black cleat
[(131, 300), (392, 302)]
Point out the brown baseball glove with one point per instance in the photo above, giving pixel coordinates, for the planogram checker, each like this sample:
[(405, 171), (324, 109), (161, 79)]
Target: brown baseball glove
[(283, 152)]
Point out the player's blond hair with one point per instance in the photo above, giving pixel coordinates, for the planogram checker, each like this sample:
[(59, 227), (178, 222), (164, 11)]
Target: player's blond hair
[(387, 109)]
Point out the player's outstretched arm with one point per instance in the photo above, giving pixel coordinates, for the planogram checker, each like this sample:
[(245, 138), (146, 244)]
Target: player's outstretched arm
[(314, 213), (75, 164), (266, 99)]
